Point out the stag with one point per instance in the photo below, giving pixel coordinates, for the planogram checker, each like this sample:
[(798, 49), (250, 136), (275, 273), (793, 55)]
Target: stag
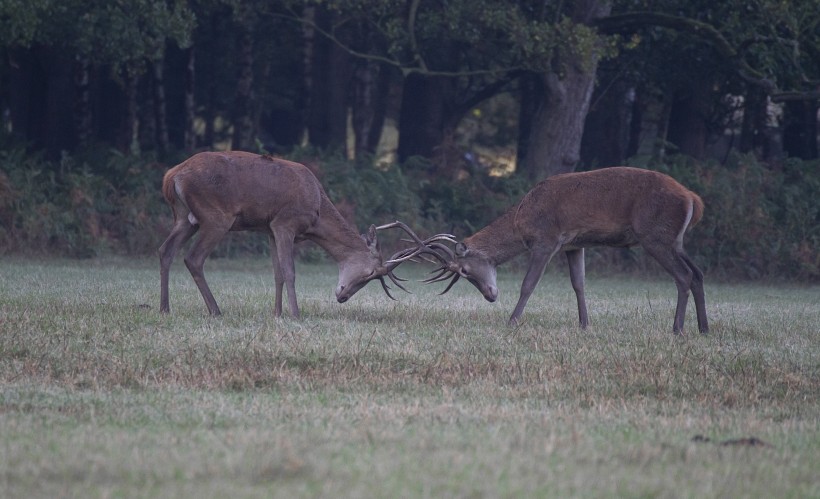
[(618, 207), (214, 193)]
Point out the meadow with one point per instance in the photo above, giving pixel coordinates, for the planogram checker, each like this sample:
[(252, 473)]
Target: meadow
[(427, 396)]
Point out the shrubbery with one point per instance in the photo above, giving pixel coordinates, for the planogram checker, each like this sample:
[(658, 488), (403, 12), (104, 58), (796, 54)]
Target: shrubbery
[(759, 222)]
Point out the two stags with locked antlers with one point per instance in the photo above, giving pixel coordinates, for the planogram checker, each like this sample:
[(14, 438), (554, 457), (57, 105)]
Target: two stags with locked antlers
[(216, 192)]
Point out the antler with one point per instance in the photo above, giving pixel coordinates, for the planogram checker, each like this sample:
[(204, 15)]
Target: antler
[(400, 257), (431, 246), (423, 246), (447, 269)]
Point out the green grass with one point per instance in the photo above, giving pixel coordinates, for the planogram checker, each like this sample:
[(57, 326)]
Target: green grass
[(428, 396)]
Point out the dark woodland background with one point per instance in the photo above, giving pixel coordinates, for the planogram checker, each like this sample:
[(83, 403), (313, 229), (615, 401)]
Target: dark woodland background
[(441, 114)]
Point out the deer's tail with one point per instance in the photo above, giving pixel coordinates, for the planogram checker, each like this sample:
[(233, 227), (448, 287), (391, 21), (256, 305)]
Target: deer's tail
[(169, 189), (697, 210)]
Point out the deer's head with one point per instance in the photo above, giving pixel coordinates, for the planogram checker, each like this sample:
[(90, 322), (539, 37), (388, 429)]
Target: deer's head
[(474, 266), (361, 267)]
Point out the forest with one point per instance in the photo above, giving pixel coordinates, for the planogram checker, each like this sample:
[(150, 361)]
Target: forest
[(441, 114)]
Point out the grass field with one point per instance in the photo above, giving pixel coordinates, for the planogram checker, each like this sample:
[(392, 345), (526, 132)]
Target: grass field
[(425, 397)]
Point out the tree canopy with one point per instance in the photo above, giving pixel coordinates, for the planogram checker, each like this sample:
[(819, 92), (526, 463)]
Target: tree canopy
[(289, 73)]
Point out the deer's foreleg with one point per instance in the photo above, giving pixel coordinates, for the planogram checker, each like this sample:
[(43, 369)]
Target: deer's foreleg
[(278, 280), (283, 240), (540, 256), (577, 272), (195, 261)]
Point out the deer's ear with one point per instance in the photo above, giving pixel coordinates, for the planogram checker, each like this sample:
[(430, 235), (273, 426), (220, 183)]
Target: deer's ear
[(371, 240), (461, 249)]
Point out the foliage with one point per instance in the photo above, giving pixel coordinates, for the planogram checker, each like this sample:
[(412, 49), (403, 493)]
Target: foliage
[(758, 223), (100, 31)]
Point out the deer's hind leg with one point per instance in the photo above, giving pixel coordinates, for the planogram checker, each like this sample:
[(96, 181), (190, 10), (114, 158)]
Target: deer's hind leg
[(697, 293), (180, 234), (671, 260)]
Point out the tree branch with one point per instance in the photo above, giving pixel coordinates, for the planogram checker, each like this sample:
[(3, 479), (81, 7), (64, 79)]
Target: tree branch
[(633, 21), (417, 66)]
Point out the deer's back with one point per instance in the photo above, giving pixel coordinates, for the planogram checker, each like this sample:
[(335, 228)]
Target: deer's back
[(605, 206), (251, 188)]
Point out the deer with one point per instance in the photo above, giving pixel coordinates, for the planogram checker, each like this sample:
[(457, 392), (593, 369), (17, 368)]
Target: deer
[(616, 207), (214, 193)]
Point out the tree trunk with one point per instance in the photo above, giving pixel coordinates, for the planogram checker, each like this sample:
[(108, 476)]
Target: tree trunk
[(606, 130), (27, 87), (129, 139), (662, 133), (752, 128), (689, 118), (308, 56), (636, 121), (369, 104), (160, 107), (82, 107), (555, 138), (530, 97), (243, 118), (800, 129), (330, 80), (424, 117), (189, 139)]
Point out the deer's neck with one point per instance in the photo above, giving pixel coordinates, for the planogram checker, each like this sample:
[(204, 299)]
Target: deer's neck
[(499, 240), (334, 234)]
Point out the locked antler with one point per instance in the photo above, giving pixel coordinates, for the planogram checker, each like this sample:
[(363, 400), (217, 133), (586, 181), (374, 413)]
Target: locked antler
[(431, 246)]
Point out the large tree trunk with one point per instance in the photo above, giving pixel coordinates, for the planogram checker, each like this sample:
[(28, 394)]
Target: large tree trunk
[(555, 138), (329, 80)]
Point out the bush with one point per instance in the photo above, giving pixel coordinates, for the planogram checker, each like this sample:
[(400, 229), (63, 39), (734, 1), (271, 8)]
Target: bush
[(758, 222)]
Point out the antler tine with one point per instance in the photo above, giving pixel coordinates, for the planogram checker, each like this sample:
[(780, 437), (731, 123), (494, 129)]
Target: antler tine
[(448, 252), (442, 237), (404, 227), (386, 288), (397, 281), (442, 276), (425, 243), (404, 255), (455, 280)]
